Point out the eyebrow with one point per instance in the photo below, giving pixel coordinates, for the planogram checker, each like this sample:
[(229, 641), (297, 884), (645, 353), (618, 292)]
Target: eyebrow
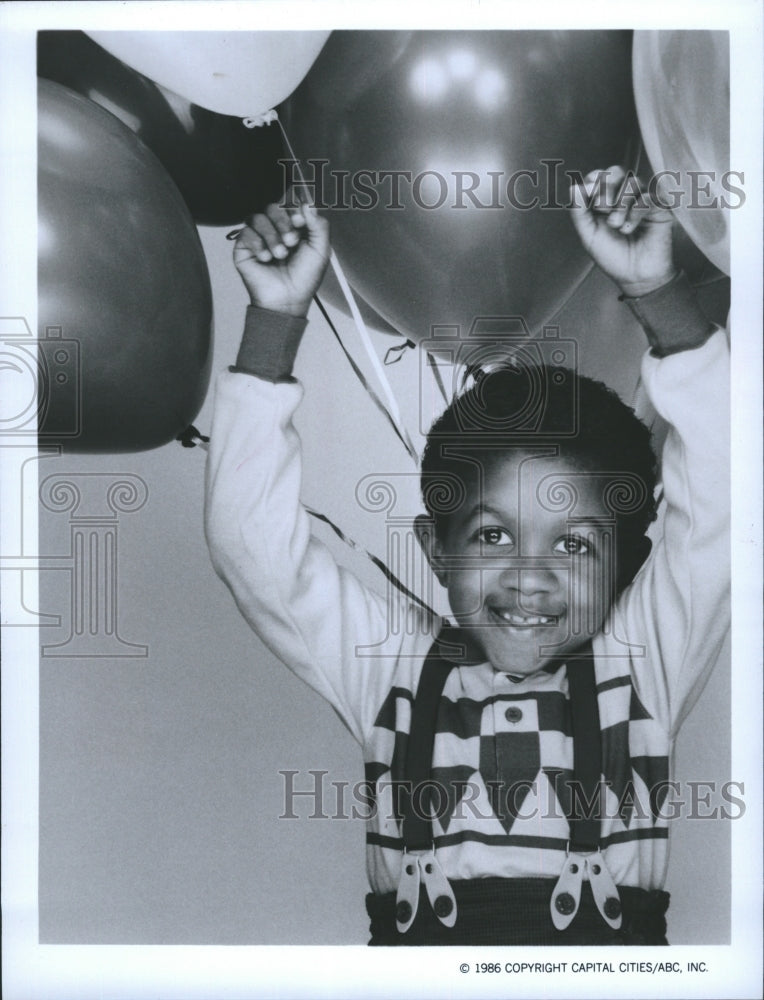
[(573, 522), (592, 522), (484, 508)]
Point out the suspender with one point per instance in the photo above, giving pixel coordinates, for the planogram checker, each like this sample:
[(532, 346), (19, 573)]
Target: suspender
[(584, 859), (417, 827), (587, 752), (420, 866)]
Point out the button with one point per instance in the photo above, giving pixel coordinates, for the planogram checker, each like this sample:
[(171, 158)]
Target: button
[(403, 912), (513, 714), (612, 908), (443, 906), (565, 904)]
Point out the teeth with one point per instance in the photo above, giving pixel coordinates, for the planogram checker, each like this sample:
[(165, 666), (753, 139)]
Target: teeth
[(525, 619)]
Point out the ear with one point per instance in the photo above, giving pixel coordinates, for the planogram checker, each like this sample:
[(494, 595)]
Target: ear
[(431, 546)]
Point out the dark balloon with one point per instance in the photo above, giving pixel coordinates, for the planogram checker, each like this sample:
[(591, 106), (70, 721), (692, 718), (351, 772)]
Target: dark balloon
[(482, 127), (331, 292), (125, 308), (224, 170)]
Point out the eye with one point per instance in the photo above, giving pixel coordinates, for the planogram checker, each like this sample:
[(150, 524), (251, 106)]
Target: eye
[(573, 545), (492, 535)]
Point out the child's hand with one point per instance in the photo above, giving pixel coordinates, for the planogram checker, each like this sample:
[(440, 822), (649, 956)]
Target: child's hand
[(281, 257), (626, 234)]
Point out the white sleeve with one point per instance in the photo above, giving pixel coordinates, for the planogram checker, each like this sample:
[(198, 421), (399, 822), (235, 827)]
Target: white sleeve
[(313, 614), (679, 604)]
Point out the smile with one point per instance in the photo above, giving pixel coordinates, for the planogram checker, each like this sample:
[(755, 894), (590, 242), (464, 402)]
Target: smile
[(523, 621)]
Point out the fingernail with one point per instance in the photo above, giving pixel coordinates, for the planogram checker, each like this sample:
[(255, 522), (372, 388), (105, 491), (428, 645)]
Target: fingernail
[(298, 219), (290, 239), (279, 252), (263, 255)]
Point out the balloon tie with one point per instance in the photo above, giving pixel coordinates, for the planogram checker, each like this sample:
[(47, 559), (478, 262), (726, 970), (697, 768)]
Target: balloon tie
[(394, 354), (258, 121), (191, 437)]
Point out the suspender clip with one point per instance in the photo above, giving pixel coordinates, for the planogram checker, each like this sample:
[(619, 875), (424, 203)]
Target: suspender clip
[(566, 896), (422, 867)]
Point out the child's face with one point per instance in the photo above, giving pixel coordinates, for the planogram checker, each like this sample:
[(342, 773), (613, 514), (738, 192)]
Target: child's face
[(528, 560)]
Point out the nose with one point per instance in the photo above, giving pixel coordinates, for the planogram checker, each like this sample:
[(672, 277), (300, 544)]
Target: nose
[(529, 579)]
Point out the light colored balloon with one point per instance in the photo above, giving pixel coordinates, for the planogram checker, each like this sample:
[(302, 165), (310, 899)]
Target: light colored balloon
[(681, 89), (241, 73)]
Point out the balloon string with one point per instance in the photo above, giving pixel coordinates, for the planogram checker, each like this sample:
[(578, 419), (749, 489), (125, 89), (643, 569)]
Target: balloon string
[(381, 566), (579, 282), (191, 438), (399, 429), (394, 414), (366, 340), (438, 378)]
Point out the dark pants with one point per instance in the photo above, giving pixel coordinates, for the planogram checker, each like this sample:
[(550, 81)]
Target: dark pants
[(516, 912)]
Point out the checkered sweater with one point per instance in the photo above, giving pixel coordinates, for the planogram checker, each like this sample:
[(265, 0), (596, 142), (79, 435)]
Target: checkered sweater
[(493, 733)]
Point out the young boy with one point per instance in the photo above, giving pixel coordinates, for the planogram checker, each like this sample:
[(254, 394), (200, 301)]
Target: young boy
[(517, 765)]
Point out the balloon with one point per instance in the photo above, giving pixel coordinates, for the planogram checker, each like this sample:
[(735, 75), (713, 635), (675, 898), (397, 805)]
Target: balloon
[(482, 127), (234, 73), (124, 301), (331, 292), (224, 170), (681, 87)]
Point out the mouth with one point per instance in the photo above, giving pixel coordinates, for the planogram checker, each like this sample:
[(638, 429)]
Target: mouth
[(516, 620)]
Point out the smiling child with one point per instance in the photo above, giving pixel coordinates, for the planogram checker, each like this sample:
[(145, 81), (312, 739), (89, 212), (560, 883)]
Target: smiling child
[(517, 761)]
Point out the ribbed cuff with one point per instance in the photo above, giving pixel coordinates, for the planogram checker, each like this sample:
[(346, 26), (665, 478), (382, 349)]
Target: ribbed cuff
[(671, 317), (269, 344)]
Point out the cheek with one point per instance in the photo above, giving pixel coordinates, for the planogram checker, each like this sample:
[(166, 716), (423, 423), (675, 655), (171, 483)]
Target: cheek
[(465, 591), (590, 589)]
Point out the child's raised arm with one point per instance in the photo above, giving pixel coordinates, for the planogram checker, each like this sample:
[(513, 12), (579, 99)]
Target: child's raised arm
[(310, 611), (627, 235), (281, 256), (677, 608)]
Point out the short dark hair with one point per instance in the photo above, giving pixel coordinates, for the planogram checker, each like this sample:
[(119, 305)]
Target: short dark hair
[(527, 407)]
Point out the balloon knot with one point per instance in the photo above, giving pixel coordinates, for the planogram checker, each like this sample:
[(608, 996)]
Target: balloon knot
[(266, 118), (395, 353), (190, 437)]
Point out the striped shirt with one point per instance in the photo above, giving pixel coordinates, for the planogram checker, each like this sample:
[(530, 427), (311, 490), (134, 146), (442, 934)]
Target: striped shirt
[(503, 748)]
